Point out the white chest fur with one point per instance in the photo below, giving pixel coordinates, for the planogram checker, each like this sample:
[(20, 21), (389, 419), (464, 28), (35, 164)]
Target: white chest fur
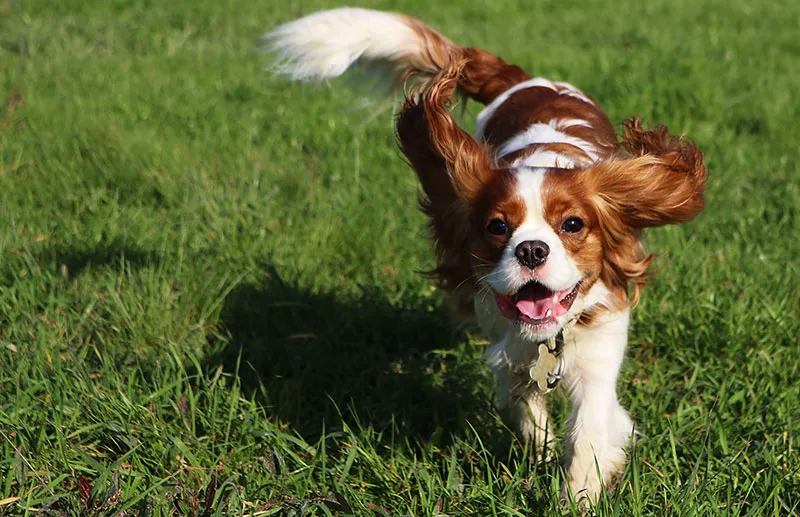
[(598, 427)]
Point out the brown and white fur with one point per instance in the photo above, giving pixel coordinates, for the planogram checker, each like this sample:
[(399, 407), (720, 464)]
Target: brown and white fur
[(536, 218)]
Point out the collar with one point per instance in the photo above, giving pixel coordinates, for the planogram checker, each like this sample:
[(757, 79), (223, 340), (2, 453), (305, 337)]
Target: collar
[(545, 372)]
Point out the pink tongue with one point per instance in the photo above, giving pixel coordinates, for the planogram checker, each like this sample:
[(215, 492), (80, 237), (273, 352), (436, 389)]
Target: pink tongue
[(535, 301), (537, 309)]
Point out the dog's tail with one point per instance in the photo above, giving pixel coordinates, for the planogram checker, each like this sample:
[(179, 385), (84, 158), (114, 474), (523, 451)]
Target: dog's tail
[(325, 44)]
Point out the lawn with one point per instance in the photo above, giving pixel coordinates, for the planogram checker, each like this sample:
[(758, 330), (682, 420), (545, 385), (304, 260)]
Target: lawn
[(210, 299)]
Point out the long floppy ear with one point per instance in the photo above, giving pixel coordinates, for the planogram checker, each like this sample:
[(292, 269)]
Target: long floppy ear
[(452, 168), (661, 183), (448, 161)]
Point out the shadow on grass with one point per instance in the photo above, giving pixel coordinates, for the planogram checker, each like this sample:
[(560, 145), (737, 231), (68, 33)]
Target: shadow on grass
[(317, 358), (112, 253), (73, 260)]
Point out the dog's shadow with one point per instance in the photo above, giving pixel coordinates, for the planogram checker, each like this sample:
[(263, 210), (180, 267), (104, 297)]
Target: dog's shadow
[(317, 359)]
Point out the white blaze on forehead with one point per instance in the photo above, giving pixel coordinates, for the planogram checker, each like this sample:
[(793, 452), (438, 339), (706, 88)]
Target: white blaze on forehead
[(529, 185), (535, 226)]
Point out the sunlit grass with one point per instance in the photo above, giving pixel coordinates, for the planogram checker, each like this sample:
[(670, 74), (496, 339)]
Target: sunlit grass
[(210, 300)]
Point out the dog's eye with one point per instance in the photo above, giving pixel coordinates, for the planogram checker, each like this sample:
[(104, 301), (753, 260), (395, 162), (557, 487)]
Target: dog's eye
[(497, 227), (572, 225)]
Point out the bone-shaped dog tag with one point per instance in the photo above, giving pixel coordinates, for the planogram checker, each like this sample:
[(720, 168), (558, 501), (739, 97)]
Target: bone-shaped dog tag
[(544, 372)]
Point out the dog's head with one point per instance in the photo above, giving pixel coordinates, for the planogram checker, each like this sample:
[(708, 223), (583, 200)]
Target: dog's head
[(540, 238)]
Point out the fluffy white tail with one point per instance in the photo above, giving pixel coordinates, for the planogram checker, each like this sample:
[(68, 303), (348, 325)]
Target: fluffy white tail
[(324, 45)]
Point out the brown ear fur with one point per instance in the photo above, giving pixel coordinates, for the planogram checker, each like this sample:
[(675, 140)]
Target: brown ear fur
[(452, 168), (661, 183)]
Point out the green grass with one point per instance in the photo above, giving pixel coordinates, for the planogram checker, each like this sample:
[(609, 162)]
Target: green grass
[(209, 290)]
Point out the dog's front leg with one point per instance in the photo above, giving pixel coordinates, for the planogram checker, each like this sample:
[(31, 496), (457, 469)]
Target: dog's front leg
[(529, 416), (598, 428)]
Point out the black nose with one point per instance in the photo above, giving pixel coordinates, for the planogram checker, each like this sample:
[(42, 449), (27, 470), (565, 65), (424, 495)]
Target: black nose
[(532, 253)]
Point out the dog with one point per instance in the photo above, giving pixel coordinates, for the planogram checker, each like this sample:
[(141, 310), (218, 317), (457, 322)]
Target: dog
[(536, 218)]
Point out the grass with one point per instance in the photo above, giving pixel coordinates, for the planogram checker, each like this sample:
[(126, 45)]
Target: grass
[(209, 298)]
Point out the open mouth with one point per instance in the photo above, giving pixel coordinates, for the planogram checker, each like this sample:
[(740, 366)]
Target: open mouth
[(535, 304)]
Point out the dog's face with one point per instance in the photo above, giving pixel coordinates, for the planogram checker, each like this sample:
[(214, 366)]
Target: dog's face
[(538, 238), (536, 246)]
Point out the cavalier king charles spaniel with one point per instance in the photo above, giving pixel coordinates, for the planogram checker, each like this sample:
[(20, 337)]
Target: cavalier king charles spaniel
[(536, 218)]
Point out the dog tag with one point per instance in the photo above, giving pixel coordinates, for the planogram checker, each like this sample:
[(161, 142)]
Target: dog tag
[(544, 372)]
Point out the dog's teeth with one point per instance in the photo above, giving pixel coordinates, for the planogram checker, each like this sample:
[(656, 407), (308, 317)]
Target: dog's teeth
[(548, 313)]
